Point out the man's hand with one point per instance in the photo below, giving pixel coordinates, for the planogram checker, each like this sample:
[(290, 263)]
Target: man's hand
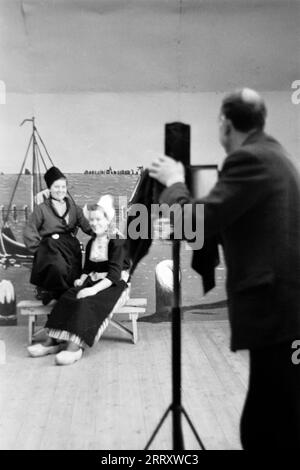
[(86, 292), (167, 171)]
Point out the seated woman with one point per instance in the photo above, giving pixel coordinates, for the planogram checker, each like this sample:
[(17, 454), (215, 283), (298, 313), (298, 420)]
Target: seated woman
[(50, 236), (81, 314)]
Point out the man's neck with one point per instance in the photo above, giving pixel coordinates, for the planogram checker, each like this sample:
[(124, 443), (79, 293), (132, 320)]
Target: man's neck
[(239, 139)]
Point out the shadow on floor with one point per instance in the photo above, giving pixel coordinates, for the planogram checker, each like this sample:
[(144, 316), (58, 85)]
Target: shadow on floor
[(207, 310)]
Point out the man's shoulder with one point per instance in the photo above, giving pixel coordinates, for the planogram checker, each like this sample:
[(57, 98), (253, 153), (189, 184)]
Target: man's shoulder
[(262, 144), (256, 149), (245, 155)]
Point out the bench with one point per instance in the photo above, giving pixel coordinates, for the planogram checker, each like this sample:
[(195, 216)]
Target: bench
[(131, 309)]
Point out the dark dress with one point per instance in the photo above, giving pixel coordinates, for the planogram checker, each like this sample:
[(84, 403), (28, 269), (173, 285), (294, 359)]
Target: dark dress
[(84, 317), (57, 253)]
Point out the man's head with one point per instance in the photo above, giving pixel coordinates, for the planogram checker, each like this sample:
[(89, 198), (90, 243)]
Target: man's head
[(242, 113)]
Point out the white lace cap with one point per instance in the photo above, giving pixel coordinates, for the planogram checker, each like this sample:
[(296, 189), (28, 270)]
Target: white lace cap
[(106, 203)]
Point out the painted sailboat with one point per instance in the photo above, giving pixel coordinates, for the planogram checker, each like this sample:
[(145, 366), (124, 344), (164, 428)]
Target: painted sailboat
[(12, 251)]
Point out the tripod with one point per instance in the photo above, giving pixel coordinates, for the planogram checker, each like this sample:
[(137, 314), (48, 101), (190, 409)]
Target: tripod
[(176, 407)]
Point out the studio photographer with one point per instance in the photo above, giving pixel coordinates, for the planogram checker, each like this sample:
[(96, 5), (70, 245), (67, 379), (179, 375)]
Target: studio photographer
[(255, 209)]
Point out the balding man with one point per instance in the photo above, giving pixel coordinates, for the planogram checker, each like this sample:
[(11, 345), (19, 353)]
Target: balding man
[(255, 207)]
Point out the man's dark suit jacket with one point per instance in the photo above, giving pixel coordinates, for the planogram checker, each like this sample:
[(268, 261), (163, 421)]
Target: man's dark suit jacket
[(255, 207)]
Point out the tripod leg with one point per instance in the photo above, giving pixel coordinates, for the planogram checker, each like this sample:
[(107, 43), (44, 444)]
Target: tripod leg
[(158, 427), (193, 429), (176, 350), (177, 428)]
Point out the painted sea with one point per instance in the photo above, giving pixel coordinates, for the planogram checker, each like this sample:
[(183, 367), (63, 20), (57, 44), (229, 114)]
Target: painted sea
[(88, 189)]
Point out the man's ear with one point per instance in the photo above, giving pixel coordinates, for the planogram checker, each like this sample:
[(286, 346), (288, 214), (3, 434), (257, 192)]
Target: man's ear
[(227, 127)]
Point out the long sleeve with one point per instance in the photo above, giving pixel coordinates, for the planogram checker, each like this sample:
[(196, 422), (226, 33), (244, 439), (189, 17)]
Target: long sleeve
[(116, 256), (87, 268), (243, 182), (31, 233)]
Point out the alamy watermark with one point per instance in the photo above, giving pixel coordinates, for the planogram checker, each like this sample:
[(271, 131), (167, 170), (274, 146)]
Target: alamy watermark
[(2, 92), (296, 94), (161, 221), (296, 354)]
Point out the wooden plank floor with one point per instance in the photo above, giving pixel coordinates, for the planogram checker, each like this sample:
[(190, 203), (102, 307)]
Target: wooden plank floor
[(114, 397)]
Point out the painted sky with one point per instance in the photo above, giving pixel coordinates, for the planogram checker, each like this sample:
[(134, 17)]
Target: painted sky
[(102, 77)]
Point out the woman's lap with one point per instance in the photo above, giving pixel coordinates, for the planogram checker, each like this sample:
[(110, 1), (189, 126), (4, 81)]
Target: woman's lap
[(84, 317)]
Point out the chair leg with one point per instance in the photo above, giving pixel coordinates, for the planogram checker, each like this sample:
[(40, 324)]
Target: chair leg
[(133, 317), (121, 327), (31, 324)]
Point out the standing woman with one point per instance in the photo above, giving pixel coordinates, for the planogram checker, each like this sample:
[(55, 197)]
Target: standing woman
[(50, 236)]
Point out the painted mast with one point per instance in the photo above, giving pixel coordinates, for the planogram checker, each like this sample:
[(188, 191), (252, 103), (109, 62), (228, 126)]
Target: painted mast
[(33, 178), (9, 246)]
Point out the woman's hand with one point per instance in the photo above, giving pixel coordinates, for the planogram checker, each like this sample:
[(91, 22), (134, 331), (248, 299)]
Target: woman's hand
[(42, 196), (86, 292), (78, 282)]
